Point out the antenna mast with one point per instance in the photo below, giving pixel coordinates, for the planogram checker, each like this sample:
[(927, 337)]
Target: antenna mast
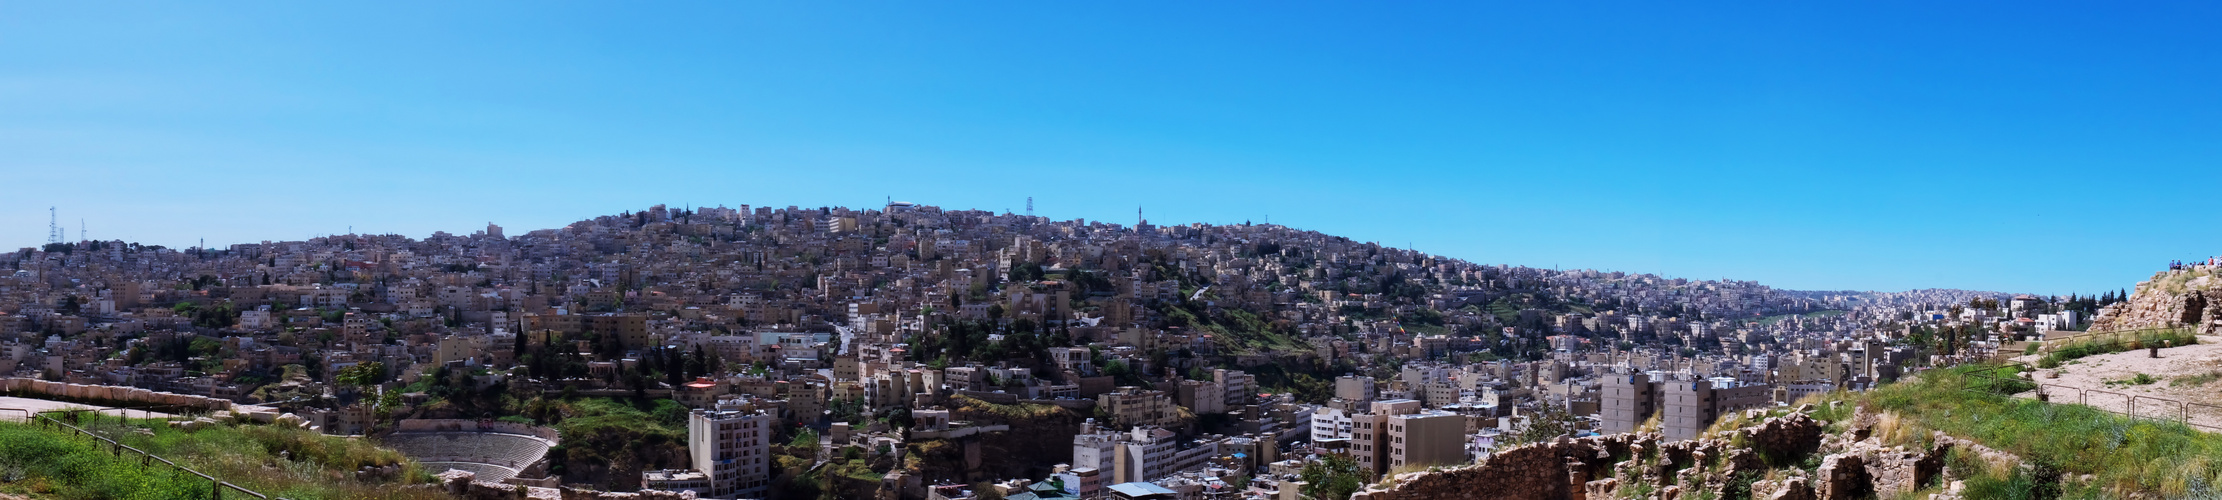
[(53, 227), (1029, 206)]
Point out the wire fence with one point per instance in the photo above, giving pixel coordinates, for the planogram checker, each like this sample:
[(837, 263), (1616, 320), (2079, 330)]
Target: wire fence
[(45, 419), (2125, 404)]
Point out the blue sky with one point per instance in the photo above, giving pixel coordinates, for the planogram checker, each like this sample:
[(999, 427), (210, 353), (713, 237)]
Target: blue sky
[(2020, 146)]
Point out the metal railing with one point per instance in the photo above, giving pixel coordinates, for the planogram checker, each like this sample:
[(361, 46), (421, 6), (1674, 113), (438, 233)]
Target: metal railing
[(2183, 410), (216, 486)]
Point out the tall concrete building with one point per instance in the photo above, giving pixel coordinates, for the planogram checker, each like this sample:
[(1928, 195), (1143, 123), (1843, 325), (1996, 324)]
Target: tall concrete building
[(1370, 439), (1628, 400), (1096, 448), (733, 448), (1147, 453), (1433, 437), (1685, 408), (1203, 396), (1691, 406)]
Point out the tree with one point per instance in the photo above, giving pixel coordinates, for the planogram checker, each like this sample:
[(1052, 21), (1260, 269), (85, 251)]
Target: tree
[(1952, 338), (1548, 422), (362, 375), (387, 402), (673, 368), (700, 364), (985, 491), (1331, 477)]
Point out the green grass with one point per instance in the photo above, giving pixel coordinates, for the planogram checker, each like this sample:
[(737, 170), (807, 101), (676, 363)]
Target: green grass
[(856, 469), (2194, 380), (2127, 455), (50, 465), (2115, 342), (2140, 379), (58, 465)]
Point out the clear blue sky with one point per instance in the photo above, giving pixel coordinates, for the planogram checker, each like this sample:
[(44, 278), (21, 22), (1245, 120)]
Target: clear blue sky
[(2018, 146)]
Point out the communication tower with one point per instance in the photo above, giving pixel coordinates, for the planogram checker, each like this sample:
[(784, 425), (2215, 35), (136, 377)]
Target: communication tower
[(53, 227)]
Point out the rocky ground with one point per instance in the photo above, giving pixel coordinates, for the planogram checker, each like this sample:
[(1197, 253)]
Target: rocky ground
[(2189, 374)]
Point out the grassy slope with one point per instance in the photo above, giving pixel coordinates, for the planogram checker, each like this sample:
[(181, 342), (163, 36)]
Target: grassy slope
[(607, 442), (55, 464), (2125, 455)]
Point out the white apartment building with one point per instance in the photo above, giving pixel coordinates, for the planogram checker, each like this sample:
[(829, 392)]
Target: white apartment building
[(1141, 454), (1330, 424), (1095, 448), (733, 448), (1147, 454)]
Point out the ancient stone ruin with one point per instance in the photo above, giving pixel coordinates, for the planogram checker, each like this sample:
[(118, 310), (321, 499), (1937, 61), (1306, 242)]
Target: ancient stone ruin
[(1738, 464)]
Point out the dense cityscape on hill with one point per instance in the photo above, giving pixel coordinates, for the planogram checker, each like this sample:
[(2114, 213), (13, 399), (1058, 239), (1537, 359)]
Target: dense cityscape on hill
[(1526, 251), (913, 352)]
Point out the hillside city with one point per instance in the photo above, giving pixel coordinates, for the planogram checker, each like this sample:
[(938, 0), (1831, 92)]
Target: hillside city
[(914, 352)]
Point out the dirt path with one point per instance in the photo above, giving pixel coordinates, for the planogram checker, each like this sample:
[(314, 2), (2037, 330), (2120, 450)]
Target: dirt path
[(2104, 381)]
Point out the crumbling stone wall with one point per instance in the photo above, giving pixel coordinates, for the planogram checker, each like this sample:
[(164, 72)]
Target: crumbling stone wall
[(1535, 472), (1853, 465)]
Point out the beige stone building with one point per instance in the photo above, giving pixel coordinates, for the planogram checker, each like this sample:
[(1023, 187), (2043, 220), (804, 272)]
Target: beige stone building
[(1136, 406)]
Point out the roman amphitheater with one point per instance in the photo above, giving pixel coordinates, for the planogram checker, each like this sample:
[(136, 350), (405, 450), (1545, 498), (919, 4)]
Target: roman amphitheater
[(495, 451)]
